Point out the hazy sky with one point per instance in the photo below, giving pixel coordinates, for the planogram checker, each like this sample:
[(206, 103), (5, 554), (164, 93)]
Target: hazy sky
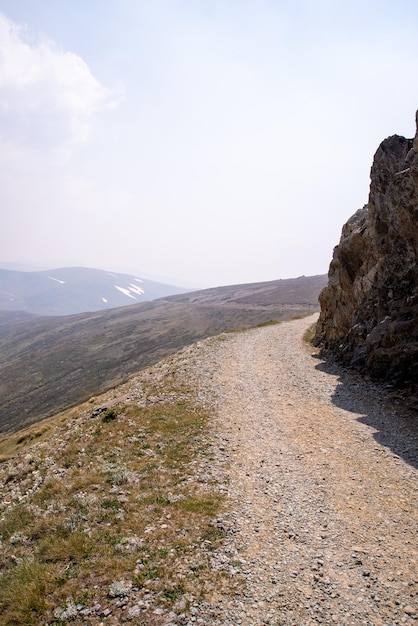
[(211, 141)]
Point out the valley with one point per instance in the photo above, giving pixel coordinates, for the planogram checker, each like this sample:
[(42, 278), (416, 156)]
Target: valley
[(48, 364)]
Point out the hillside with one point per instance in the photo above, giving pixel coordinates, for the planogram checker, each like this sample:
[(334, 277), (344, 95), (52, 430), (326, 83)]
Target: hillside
[(242, 480), (50, 363), (71, 290), (296, 291)]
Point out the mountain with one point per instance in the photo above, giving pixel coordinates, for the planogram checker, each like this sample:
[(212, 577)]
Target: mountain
[(369, 309), (50, 363), (303, 290), (70, 290)]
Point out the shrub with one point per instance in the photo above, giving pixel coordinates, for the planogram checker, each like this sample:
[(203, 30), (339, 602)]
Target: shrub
[(109, 415)]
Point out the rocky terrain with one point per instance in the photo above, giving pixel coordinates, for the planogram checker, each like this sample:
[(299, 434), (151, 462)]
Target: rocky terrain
[(242, 481), (369, 310)]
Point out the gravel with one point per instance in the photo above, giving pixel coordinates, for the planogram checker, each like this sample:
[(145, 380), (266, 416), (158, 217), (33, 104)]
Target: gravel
[(319, 468)]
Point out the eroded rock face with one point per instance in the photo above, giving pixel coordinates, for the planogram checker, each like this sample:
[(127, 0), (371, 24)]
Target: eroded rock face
[(369, 309)]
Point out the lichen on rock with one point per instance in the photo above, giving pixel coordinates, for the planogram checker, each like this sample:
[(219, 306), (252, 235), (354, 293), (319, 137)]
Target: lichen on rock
[(369, 309)]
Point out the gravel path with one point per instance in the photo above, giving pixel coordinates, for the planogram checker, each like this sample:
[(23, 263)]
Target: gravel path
[(322, 484)]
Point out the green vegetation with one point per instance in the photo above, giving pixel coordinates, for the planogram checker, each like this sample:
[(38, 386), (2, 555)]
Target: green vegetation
[(109, 415), (122, 503), (268, 323)]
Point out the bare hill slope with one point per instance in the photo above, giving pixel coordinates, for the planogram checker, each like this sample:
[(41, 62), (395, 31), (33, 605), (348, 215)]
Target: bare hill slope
[(50, 363)]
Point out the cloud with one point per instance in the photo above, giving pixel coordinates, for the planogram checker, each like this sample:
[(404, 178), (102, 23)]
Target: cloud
[(47, 95), (49, 100)]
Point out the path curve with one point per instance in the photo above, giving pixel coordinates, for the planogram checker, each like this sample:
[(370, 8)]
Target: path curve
[(322, 486)]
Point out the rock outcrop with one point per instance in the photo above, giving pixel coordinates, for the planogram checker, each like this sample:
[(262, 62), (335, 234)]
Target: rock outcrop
[(369, 309)]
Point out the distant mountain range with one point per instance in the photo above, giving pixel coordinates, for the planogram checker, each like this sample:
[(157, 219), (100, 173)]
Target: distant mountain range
[(50, 363), (70, 290)]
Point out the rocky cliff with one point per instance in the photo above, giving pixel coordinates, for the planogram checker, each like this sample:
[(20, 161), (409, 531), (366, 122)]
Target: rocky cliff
[(369, 309)]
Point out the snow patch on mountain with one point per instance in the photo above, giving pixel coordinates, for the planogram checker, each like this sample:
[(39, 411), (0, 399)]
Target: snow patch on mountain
[(61, 282), (126, 292), (136, 289)]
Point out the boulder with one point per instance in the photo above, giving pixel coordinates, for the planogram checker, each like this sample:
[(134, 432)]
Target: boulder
[(369, 309)]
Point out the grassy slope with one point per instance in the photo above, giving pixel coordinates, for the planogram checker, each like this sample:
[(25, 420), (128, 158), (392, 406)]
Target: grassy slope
[(108, 502)]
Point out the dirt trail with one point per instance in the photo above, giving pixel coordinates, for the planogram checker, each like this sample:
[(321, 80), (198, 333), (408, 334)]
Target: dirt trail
[(323, 483)]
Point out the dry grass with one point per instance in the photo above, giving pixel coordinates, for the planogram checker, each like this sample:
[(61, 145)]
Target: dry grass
[(110, 498), (24, 591), (309, 334)]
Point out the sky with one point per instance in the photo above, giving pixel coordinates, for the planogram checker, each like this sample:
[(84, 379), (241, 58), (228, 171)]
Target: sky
[(201, 142)]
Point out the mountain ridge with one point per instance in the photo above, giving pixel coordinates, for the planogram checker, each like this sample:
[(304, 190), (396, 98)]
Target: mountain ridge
[(72, 290)]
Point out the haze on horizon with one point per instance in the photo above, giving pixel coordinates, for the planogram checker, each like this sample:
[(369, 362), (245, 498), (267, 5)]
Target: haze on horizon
[(212, 142)]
